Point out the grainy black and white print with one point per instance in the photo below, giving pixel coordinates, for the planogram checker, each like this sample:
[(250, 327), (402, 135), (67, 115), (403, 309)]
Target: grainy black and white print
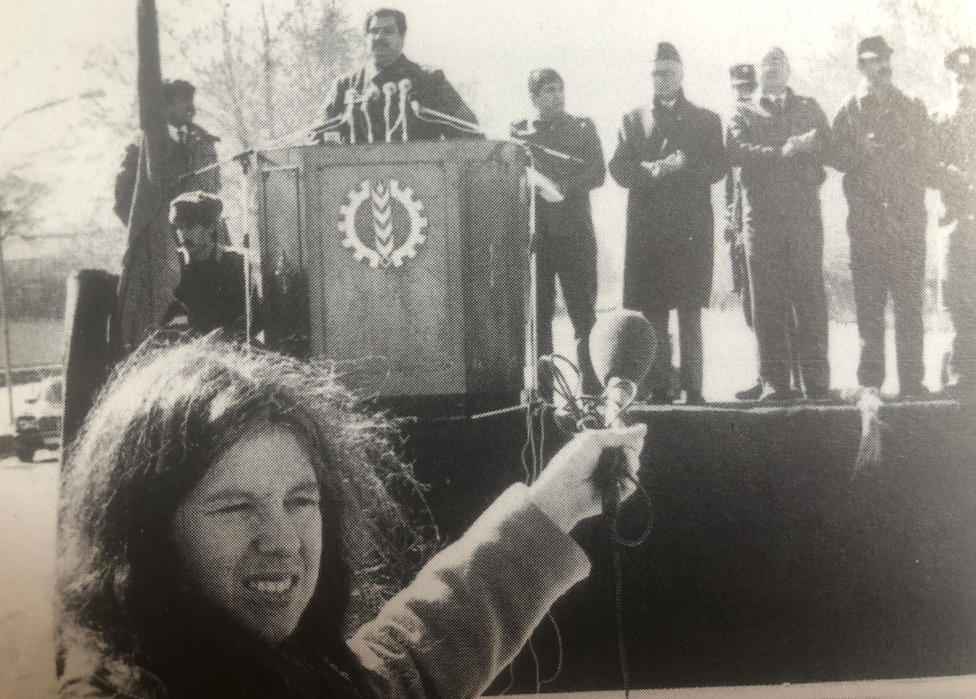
[(432, 349)]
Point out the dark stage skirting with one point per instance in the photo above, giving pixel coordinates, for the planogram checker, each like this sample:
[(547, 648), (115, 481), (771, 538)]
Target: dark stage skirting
[(770, 560)]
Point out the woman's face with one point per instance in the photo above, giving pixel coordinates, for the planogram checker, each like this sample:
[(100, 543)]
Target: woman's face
[(250, 533)]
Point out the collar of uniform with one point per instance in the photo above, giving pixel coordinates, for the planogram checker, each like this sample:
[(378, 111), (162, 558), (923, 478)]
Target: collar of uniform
[(540, 124), (780, 100), (886, 92), (395, 68), (675, 106), (174, 132)]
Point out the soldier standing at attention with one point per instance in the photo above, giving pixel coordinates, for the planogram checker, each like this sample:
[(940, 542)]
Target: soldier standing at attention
[(565, 239), (882, 142), (669, 154), (781, 156), (956, 137), (743, 78)]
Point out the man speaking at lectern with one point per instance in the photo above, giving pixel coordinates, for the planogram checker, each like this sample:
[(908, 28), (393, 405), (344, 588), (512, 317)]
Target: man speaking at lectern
[(391, 98)]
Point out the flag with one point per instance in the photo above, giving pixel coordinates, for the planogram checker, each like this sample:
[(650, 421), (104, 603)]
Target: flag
[(150, 268)]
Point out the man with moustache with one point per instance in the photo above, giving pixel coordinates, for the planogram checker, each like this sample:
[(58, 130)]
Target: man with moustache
[(882, 142), (668, 155), (781, 154), (565, 239), (385, 84), (956, 171)]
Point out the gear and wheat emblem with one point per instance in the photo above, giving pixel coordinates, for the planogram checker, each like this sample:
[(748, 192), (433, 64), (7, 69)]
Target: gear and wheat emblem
[(383, 223)]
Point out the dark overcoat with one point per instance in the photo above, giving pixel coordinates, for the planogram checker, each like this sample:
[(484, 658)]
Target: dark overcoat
[(670, 224)]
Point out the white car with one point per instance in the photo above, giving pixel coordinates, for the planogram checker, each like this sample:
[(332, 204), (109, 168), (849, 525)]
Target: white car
[(39, 426)]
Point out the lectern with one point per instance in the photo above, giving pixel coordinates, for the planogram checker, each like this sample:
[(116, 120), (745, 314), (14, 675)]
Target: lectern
[(406, 264)]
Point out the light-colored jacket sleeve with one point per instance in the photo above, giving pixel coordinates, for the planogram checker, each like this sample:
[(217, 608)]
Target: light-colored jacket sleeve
[(472, 608)]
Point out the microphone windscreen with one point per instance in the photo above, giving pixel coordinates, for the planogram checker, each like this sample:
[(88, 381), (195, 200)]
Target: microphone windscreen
[(622, 345)]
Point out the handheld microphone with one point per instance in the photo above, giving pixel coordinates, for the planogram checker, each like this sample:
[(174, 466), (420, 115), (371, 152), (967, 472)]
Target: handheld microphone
[(622, 347)]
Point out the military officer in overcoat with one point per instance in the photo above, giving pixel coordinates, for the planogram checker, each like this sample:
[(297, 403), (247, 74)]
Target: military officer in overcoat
[(781, 154), (956, 138), (669, 154), (565, 239)]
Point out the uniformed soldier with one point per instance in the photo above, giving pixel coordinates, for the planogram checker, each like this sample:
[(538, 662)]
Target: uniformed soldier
[(883, 143), (374, 102), (781, 154), (956, 139), (744, 84), (565, 239)]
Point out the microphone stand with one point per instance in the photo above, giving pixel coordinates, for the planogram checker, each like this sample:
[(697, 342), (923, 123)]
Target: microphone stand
[(530, 392)]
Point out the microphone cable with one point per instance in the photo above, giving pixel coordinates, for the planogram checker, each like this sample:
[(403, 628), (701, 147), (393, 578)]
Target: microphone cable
[(584, 412)]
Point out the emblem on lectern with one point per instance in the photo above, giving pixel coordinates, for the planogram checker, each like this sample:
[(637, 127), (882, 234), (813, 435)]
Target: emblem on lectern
[(383, 223)]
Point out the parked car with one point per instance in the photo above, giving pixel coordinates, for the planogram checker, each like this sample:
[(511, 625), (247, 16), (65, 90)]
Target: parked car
[(39, 427)]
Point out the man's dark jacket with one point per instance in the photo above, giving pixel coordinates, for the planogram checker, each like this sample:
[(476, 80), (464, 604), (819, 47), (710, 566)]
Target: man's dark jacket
[(670, 224), (577, 137), (428, 87), (180, 162)]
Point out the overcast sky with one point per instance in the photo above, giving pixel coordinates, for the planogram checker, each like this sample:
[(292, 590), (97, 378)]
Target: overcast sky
[(602, 48)]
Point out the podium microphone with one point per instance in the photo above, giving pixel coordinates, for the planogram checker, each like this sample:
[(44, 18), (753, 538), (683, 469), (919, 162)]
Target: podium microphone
[(405, 86), (432, 114), (622, 347)]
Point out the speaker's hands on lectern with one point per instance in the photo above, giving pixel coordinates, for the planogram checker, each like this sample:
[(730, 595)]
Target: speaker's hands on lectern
[(565, 491)]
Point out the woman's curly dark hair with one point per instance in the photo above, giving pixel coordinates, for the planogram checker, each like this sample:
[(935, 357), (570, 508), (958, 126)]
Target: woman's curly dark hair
[(166, 416)]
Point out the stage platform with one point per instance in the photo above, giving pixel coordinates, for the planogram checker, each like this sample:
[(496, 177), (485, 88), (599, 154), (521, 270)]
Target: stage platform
[(771, 558), (927, 688)]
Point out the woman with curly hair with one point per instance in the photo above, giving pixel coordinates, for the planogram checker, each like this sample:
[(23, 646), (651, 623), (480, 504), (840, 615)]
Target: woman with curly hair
[(230, 527)]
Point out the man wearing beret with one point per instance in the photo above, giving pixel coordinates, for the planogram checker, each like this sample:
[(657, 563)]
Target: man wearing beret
[(883, 143), (373, 102), (956, 171), (565, 240), (669, 154), (781, 154)]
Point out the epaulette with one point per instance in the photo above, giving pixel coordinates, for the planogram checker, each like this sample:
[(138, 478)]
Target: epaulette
[(585, 122)]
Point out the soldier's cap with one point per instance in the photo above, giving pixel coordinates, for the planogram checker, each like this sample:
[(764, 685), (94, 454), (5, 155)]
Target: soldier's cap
[(543, 76), (873, 47), (743, 74), (178, 89), (192, 208), (667, 52), (962, 61), (775, 54)]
